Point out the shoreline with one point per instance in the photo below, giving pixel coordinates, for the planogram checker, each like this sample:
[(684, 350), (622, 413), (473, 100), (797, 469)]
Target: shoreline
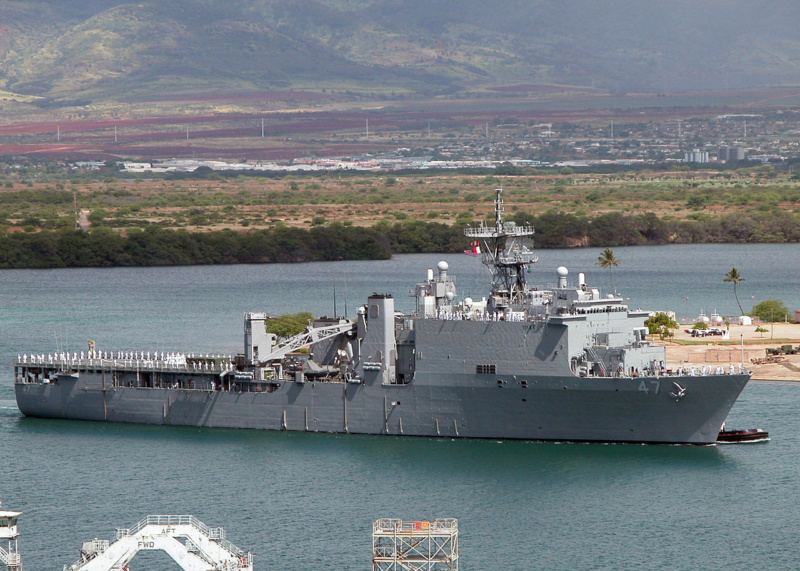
[(750, 344)]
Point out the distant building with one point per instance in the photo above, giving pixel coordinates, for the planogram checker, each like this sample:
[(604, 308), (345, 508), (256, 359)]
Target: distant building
[(695, 156), (137, 167), (89, 165), (731, 154)]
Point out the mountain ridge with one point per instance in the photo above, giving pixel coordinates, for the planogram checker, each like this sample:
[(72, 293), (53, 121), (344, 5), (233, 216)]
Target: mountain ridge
[(107, 48)]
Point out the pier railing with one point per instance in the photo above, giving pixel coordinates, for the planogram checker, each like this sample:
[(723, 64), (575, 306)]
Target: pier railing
[(215, 533), (394, 525)]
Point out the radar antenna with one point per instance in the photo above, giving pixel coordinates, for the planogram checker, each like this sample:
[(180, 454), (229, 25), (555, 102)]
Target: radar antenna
[(507, 251)]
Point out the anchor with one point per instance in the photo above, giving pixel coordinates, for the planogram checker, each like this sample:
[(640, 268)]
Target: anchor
[(679, 393)]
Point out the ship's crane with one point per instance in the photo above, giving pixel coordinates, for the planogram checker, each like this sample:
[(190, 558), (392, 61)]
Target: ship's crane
[(308, 337), (189, 542)]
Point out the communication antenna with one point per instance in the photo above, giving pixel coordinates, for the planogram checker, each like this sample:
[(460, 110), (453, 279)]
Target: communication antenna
[(367, 130), (58, 133), (115, 133), (345, 296), (262, 127), (507, 251), (335, 313)]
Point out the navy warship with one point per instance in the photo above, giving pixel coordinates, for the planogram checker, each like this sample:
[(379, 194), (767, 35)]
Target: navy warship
[(559, 362)]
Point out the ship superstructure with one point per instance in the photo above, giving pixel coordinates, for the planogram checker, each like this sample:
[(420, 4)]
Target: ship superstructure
[(558, 362), (507, 252)]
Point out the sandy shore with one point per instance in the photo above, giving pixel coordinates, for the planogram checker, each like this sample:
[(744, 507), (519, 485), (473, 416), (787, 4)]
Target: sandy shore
[(744, 341)]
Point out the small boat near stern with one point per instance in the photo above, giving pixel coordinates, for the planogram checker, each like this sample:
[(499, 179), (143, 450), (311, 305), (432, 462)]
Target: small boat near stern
[(746, 435)]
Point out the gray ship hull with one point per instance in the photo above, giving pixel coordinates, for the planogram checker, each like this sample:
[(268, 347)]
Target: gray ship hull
[(612, 409), (559, 363)]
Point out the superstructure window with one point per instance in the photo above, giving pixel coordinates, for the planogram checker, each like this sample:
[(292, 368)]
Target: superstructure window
[(486, 369)]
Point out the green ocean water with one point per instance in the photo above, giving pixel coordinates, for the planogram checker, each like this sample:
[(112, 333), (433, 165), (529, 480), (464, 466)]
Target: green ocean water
[(307, 501)]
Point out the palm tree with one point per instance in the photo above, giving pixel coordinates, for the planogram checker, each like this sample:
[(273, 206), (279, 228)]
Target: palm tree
[(735, 278), (608, 260)]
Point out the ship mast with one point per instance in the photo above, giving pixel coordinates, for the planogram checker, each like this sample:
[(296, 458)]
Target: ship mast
[(507, 251)]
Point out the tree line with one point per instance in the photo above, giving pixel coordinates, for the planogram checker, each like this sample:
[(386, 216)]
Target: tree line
[(156, 246), (561, 230)]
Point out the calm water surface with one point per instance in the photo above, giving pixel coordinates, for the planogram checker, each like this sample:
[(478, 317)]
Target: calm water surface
[(306, 501)]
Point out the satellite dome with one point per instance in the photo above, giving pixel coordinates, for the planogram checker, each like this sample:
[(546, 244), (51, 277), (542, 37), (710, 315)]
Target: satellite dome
[(443, 266), (449, 295), (562, 271), (467, 301)]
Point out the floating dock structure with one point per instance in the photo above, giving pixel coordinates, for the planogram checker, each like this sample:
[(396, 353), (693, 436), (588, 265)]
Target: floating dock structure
[(193, 545), (9, 531), (399, 545)]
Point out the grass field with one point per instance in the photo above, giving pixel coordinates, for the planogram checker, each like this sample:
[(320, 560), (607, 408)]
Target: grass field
[(364, 200)]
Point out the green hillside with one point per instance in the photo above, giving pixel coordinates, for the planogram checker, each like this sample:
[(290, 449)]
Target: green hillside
[(104, 48)]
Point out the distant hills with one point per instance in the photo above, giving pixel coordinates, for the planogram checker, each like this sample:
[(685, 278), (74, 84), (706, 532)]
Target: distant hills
[(108, 49)]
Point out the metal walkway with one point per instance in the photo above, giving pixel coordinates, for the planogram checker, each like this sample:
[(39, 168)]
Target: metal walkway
[(192, 545), (9, 531)]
